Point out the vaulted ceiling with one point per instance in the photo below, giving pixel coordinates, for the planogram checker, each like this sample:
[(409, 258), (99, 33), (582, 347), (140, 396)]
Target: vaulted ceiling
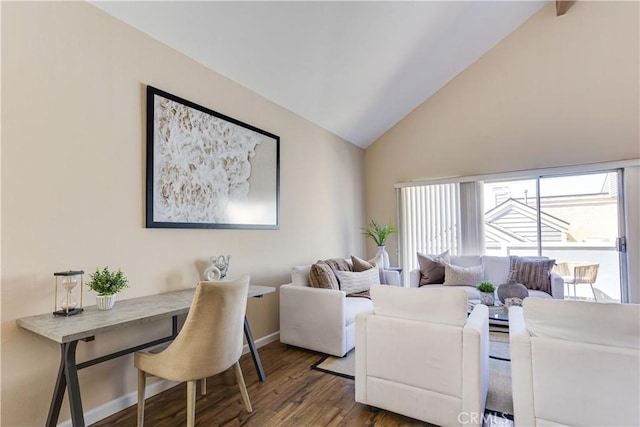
[(353, 68)]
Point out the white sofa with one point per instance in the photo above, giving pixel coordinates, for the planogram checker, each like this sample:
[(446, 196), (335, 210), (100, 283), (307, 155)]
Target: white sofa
[(575, 363), (321, 319), (419, 355), (496, 270)]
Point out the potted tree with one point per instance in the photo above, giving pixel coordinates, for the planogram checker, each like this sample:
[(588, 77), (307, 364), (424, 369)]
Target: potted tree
[(107, 284), (379, 234), (486, 290)]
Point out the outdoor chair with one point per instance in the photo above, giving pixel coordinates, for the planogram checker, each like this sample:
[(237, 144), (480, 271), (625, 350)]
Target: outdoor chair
[(582, 274)]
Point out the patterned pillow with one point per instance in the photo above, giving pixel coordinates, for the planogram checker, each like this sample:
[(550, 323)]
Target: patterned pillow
[(457, 275), (361, 265), (322, 276), (432, 267), (353, 282), (533, 272)]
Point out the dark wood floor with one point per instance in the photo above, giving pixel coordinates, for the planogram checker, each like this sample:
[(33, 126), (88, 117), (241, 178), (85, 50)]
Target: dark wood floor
[(293, 395)]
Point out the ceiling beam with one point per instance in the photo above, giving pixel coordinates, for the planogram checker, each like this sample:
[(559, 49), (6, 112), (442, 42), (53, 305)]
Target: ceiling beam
[(561, 7)]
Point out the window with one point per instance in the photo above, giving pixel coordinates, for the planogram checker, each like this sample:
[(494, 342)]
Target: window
[(573, 215)]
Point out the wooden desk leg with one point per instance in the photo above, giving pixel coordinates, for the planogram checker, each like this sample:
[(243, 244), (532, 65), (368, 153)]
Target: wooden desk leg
[(73, 386), (254, 350)]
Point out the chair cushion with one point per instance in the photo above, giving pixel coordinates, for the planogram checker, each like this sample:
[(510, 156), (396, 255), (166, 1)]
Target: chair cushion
[(300, 275), (439, 305), (354, 306), (595, 323)]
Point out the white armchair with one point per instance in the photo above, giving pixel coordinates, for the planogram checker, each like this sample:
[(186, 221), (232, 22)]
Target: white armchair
[(417, 354), (321, 319), (575, 363)]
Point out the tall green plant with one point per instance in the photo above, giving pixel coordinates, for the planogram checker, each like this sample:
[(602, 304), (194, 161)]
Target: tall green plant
[(106, 282), (378, 233)]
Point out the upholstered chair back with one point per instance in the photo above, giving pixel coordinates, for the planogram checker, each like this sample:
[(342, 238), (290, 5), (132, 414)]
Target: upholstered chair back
[(211, 339), (575, 363)]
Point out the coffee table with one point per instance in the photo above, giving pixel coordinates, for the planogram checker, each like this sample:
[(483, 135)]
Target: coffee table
[(498, 313)]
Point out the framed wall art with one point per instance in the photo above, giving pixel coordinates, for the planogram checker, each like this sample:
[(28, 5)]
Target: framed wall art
[(207, 170)]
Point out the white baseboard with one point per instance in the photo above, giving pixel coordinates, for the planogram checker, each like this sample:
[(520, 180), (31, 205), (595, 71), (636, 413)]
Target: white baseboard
[(116, 405)]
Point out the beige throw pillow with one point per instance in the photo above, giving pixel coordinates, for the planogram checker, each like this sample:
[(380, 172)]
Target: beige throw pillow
[(432, 267), (455, 275), (321, 275), (353, 282), (361, 265)]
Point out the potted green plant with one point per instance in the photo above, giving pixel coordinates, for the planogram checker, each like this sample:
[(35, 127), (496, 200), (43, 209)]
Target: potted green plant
[(107, 284), (379, 234), (486, 290)]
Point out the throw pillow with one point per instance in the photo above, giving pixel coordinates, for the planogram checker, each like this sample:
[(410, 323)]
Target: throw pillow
[(432, 267), (338, 264), (468, 276), (353, 282), (533, 272), (322, 276), (361, 265)]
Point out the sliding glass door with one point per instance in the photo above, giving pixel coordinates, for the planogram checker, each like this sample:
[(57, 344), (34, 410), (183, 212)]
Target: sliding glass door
[(575, 219)]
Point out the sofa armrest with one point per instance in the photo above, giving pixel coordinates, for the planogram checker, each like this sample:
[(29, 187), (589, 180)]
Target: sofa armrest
[(521, 368), (475, 363), (414, 278), (392, 278), (361, 356), (557, 285), (312, 318)]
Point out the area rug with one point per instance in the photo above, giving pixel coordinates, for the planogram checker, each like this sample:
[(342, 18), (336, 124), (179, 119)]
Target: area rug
[(499, 399)]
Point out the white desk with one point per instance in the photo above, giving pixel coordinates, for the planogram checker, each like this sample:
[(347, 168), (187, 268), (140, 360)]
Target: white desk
[(67, 331)]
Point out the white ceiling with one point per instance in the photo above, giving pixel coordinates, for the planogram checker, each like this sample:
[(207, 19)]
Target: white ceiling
[(353, 68)]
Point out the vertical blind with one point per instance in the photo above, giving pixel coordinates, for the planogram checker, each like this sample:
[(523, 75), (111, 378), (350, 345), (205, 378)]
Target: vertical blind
[(429, 217)]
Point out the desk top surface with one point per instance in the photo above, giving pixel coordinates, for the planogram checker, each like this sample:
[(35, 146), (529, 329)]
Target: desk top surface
[(123, 314)]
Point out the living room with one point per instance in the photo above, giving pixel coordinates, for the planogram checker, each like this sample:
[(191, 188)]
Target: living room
[(556, 92)]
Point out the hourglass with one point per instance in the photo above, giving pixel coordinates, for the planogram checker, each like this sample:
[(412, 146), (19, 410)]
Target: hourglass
[(67, 305)]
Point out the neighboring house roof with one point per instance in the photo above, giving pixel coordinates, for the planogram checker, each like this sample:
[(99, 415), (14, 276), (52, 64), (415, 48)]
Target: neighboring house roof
[(513, 221)]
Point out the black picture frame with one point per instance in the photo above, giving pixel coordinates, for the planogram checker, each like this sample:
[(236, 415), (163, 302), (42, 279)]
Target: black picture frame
[(208, 170)]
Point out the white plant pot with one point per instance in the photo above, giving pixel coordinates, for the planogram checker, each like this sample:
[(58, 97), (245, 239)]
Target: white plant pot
[(105, 302)]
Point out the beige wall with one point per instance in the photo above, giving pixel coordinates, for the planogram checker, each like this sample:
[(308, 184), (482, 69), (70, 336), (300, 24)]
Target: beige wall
[(557, 91), (73, 156)]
